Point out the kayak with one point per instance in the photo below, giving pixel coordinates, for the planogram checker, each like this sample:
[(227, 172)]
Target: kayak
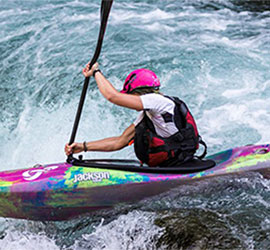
[(65, 190)]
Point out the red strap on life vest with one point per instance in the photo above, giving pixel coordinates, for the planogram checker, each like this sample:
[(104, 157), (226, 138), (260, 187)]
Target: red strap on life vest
[(130, 142)]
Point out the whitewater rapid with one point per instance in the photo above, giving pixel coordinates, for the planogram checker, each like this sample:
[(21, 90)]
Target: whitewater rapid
[(212, 54)]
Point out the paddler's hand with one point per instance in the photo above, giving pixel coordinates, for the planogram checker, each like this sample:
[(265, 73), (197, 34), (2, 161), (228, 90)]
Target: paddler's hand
[(87, 72), (74, 148)]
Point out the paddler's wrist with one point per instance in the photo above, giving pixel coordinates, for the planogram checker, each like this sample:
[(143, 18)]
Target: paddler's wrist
[(96, 71), (85, 149)]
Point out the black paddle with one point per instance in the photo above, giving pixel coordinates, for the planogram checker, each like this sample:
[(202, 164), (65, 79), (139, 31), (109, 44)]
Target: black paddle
[(104, 14)]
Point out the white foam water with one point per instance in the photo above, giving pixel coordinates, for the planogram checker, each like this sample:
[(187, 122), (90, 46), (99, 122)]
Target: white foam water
[(214, 55)]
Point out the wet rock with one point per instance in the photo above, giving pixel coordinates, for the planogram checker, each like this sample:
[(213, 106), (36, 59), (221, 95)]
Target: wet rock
[(252, 5), (196, 229), (255, 6), (2, 235)]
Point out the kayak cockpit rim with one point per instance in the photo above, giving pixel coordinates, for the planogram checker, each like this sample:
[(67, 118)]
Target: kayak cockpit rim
[(193, 166)]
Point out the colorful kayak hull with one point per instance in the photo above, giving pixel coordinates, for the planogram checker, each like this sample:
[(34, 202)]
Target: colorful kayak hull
[(62, 191)]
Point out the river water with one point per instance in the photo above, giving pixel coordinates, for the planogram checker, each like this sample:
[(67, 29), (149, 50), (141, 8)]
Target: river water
[(212, 54)]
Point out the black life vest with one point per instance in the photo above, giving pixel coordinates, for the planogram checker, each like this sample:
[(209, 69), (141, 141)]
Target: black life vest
[(180, 147)]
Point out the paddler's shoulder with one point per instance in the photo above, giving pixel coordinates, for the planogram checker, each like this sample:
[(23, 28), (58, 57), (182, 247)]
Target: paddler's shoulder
[(155, 97)]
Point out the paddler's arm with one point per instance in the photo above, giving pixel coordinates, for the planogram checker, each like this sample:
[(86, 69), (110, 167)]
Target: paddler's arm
[(110, 93), (105, 145)]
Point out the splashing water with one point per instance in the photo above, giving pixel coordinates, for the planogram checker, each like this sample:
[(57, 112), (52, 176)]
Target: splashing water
[(212, 54)]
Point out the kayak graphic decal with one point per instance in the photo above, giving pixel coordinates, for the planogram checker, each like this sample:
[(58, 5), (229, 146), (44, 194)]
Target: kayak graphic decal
[(33, 174), (91, 176)]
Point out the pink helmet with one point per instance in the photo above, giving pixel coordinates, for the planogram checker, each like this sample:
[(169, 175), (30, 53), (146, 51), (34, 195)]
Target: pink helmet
[(140, 78)]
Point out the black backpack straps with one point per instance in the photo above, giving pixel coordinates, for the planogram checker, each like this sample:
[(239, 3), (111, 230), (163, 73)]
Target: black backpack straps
[(205, 148), (179, 113), (149, 124)]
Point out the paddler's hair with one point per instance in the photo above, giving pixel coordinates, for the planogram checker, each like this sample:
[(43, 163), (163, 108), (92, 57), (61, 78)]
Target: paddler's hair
[(146, 90)]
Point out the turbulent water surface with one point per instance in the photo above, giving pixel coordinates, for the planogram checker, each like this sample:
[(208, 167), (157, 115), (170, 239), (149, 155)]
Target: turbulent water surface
[(213, 54)]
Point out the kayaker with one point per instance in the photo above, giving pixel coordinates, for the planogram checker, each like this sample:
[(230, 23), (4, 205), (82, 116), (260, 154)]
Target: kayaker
[(161, 137)]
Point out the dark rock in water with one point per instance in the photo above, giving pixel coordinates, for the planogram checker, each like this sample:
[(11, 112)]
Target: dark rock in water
[(265, 173), (196, 229), (234, 5), (252, 5), (2, 235)]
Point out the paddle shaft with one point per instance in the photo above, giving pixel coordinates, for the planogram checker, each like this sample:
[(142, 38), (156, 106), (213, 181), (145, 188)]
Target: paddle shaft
[(104, 14)]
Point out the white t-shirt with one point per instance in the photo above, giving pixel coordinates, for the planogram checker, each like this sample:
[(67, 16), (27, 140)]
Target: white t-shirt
[(160, 110)]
